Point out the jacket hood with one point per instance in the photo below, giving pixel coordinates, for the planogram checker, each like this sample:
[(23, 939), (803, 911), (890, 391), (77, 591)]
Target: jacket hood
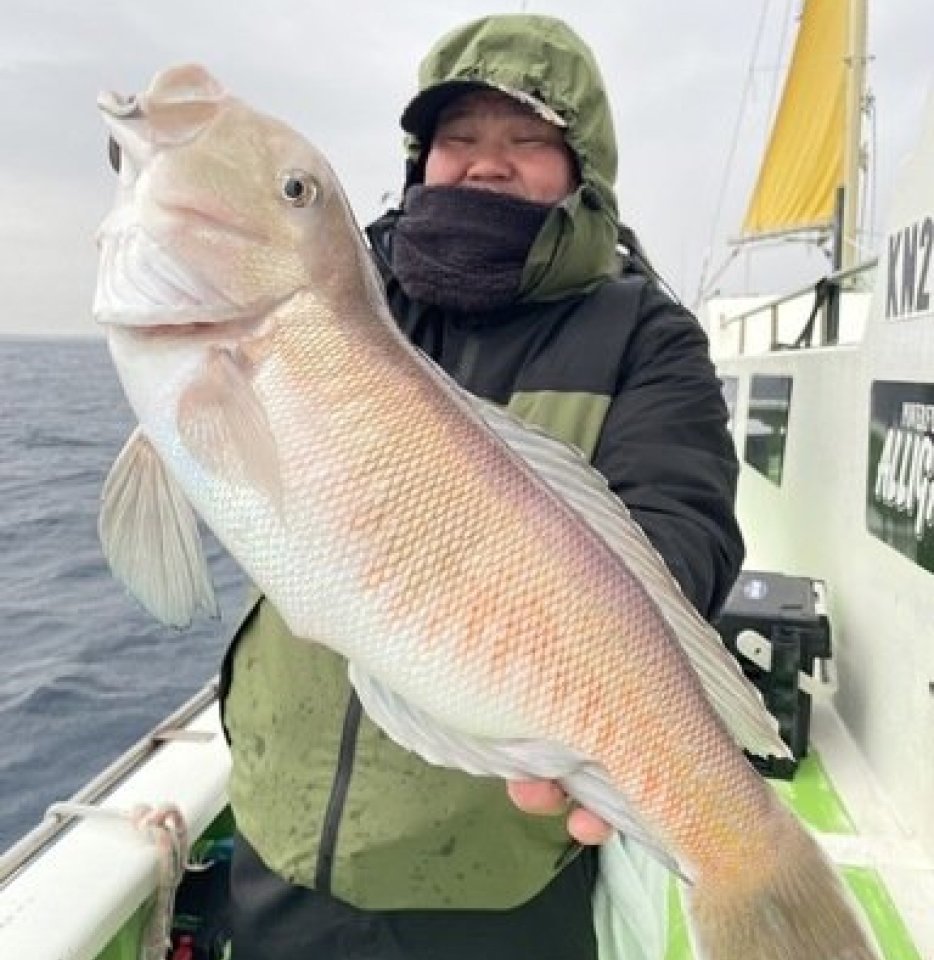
[(542, 62)]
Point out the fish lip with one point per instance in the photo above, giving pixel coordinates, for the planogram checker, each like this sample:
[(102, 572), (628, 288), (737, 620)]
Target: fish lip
[(169, 318), (193, 318), (251, 321)]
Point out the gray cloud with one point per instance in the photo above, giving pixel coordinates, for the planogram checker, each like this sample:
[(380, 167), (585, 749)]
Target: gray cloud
[(341, 72)]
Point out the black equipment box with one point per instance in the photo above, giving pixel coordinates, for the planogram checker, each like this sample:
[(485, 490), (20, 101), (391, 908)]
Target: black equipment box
[(789, 613)]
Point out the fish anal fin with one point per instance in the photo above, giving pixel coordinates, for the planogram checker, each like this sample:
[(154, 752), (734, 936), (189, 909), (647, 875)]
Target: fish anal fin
[(509, 758), (150, 536)]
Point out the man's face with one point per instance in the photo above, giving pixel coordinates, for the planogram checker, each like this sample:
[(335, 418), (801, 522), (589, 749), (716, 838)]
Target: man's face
[(490, 141)]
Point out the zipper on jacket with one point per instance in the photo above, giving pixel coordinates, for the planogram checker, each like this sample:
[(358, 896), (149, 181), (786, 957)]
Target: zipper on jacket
[(324, 867)]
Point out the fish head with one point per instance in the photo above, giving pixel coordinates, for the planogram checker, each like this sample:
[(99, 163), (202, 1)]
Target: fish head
[(221, 212)]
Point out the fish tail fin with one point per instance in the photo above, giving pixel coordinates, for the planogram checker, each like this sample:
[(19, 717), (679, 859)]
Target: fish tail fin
[(799, 911)]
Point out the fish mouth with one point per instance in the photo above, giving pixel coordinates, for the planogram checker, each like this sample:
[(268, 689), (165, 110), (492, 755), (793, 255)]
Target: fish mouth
[(217, 329), (140, 284)]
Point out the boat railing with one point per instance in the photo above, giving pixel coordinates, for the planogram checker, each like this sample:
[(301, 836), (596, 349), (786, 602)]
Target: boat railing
[(53, 823), (817, 315)]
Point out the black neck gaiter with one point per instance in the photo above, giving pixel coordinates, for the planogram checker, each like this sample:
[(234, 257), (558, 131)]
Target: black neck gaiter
[(464, 248)]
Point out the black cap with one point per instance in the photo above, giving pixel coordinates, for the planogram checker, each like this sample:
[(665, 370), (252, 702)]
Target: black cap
[(421, 115)]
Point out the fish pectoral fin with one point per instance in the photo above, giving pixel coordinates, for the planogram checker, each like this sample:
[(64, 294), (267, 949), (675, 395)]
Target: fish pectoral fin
[(224, 427), (150, 537), (585, 489)]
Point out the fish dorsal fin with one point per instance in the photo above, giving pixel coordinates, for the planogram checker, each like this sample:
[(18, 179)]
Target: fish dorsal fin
[(572, 478), (150, 536), (511, 759)]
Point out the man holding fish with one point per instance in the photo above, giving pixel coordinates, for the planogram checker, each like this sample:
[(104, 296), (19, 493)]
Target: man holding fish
[(452, 596), (501, 267)]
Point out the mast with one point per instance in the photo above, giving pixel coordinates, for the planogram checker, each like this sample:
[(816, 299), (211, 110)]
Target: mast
[(852, 146)]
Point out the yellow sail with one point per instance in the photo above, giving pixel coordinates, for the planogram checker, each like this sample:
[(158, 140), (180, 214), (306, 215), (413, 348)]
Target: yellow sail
[(804, 162)]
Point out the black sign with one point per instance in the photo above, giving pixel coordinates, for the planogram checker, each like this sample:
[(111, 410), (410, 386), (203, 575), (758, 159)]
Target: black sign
[(900, 487)]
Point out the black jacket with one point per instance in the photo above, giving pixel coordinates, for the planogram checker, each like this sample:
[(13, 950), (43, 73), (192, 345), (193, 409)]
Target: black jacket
[(656, 428)]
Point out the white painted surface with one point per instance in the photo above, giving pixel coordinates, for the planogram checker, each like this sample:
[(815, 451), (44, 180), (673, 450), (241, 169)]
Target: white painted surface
[(881, 843), (71, 901)]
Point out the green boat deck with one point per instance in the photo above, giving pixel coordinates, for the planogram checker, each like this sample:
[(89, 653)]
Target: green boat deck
[(811, 795)]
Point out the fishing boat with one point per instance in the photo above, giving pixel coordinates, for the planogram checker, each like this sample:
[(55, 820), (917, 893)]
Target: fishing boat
[(831, 392)]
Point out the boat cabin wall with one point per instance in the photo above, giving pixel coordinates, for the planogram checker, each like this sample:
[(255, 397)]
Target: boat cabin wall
[(837, 483)]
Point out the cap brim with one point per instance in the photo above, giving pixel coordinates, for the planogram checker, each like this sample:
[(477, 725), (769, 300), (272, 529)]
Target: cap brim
[(421, 115)]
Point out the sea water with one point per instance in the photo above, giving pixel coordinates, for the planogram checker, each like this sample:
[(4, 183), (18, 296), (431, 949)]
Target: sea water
[(84, 670)]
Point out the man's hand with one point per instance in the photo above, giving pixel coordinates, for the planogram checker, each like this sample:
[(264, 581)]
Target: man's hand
[(546, 797)]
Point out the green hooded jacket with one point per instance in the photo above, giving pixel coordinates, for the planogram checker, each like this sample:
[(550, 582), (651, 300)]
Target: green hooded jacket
[(538, 57)]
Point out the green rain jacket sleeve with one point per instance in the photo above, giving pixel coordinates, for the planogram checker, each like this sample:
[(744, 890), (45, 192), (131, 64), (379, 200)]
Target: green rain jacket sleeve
[(666, 452)]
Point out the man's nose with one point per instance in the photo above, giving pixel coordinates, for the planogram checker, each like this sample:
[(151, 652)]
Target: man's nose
[(489, 161)]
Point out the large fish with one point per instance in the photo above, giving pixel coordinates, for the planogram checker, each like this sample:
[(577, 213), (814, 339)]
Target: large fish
[(499, 609)]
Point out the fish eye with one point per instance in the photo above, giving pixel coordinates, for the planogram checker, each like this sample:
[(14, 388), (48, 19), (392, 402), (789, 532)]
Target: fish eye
[(113, 154), (299, 188)]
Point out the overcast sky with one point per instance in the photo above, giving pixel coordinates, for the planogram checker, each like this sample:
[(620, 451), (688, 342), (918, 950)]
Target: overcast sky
[(340, 71)]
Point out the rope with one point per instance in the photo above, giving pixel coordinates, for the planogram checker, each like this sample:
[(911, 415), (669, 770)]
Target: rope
[(164, 826), (703, 285)]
